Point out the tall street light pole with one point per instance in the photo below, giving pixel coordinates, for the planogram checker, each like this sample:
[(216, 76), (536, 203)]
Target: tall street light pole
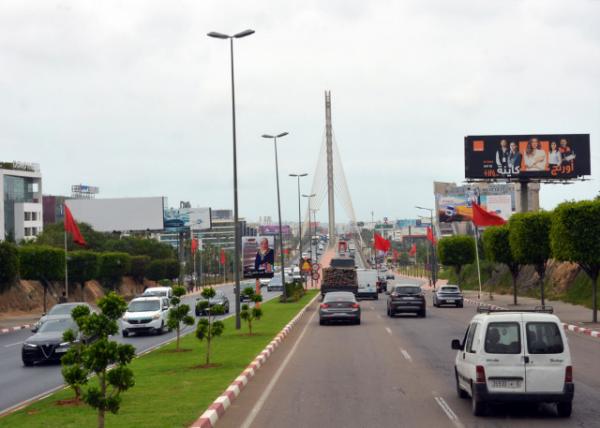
[(298, 176), (274, 138), (433, 255), (236, 261)]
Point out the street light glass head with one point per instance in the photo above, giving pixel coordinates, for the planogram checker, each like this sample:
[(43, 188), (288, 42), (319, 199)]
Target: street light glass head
[(243, 34), (310, 196), (217, 35), (283, 134), (267, 136)]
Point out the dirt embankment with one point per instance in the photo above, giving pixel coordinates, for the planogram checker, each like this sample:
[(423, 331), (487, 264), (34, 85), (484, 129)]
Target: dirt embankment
[(559, 274)]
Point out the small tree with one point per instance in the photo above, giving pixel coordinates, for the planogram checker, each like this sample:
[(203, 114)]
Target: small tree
[(529, 238), (172, 268), (103, 353), (156, 270), (208, 327), (139, 265), (250, 314), (575, 237), (112, 267), (42, 263), (456, 251), (83, 266), (497, 249), (73, 370), (178, 314), (9, 265)]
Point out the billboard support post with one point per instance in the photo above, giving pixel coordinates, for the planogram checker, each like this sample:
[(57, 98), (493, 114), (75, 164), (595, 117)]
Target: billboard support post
[(524, 196)]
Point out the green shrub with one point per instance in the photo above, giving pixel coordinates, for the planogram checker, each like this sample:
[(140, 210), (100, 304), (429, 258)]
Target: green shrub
[(139, 265), (294, 291), (9, 265), (172, 267), (42, 263), (112, 267), (83, 266)]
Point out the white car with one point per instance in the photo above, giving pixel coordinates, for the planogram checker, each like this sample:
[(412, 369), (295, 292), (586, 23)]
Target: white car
[(146, 314), (515, 356), (159, 291), (367, 283)]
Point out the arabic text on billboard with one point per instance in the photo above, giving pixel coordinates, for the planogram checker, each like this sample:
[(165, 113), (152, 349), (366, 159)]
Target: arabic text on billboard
[(258, 256), (182, 219), (546, 157)]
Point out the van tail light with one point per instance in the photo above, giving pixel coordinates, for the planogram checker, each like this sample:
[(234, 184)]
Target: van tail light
[(355, 306), (479, 374), (569, 374), (324, 305)]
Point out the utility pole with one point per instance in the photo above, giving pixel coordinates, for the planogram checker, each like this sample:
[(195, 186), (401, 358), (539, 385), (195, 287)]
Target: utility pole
[(329, 147)]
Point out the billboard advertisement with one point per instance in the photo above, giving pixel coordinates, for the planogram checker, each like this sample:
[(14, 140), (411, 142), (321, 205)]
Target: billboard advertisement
[(456, 208), (119, 214), (183, 219), (517, 157), (273, 229), (258, 256)]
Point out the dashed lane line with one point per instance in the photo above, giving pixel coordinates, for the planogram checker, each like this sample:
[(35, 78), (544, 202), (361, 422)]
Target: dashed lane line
[(12, 344), (389, 330), (406, 355), (449, 412)]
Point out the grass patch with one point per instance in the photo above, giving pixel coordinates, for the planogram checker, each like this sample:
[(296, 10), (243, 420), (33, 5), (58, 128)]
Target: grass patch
[(171, 389)]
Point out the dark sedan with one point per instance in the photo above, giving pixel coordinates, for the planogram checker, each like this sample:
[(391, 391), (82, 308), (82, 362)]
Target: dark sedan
[(339, 306), (47, 345), (219, 299), (406, 298), (448, 295)]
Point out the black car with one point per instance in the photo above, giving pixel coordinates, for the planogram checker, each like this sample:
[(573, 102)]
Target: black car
[(47, 345), (339, 306), (219, 299), (406, 298), (448, 295)]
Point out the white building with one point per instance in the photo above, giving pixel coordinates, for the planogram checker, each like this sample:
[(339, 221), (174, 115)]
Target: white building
[(21, 209)]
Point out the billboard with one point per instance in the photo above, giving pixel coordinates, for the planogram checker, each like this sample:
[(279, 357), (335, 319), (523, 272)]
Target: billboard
[(517, 157), (456, 208), (273, 229), (184, 219), (258, 256), (119, 214)]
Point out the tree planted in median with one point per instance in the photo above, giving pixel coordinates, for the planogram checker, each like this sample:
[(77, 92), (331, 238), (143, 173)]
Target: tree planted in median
[(179, 313), (208, 327), (456, 251), (74, 372), (249, 314), (497, 249)]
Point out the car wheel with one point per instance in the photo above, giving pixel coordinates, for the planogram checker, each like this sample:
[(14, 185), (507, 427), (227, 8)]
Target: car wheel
[(357, 322), (125, 333), (161, 329), (376, 296), (459, 391), (227, 311), (27, 363), (321, 322), (460, 305), (564, 409), (477, 406)]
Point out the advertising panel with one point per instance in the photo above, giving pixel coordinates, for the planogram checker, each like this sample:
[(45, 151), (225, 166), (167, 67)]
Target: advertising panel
[(273, 229), (542, 156), (456, 208), (183, 219), (119, 214), (258, 256)]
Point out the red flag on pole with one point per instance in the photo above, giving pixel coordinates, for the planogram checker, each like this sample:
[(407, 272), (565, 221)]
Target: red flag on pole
[(430, 236), (381, 243), (223, 257), (482, 217), (71, 227), (413, 250), (194, 245)]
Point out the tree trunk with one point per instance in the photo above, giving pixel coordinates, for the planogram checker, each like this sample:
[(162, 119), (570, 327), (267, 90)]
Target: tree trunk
[(594, 298), (514, 281), (101, 411), (541, 271), (208, 349), (177, 346), (250, 326), (45, 295)]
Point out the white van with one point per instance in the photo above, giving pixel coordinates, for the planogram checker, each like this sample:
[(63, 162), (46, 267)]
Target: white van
[(515, 356), (367, 283), (159, 291), (147, 314)]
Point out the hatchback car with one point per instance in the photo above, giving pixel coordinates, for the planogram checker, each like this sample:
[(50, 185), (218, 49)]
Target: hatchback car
[(406, 298), (47, 345), (339, 306), (220, 299), (62, 310), (448, 295), (510, 356)]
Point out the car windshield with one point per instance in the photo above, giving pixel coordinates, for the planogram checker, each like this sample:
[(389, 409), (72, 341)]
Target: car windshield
[(408, 290), (63, 309), (339, 297), (161, 293), (144, 306), (449, 290), (58, 325), (276, 280)]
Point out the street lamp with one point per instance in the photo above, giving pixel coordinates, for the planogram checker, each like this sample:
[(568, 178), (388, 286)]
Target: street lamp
[(274, 138), (236, 261), (433, 255), (298, 176)]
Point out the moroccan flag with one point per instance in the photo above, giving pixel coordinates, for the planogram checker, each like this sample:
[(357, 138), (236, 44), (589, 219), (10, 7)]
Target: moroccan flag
[(194, 245), (482, 217), (413, 250), (71, 227), (381, 243), (430, 236), (223, 257)]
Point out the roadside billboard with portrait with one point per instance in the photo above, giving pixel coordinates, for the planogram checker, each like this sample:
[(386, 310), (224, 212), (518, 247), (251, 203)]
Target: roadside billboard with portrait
[(517, 157), (258, 256)]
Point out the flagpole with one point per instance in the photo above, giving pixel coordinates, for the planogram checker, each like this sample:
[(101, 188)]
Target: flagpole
[(66, 268), (477, 256)]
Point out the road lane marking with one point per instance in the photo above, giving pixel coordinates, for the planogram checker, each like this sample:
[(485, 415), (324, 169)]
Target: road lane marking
[(448, 411), (389, 330), (406, 355), (12, 344), (267, 391), (379, 315)]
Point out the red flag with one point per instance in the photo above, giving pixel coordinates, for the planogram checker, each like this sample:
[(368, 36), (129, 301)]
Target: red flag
[(223, 257), (194, 245), (482, 217), (413, 250), (71, 227), (430, 235), (381, 243)]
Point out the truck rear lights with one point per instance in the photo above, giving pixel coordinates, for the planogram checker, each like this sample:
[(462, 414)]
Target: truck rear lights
[(569, 374), (479, 374)]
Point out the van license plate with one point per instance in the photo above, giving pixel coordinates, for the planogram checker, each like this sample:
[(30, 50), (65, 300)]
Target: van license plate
[(505, 383)]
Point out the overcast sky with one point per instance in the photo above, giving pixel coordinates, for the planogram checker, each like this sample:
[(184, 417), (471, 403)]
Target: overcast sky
[(134, 98)]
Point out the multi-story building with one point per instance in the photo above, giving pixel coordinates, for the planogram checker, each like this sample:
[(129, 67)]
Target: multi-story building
[(21, 209)]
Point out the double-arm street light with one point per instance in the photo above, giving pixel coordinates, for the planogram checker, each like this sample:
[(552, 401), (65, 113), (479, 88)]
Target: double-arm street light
[(433, 255), (298, 176), (274, 138), (236, 261)]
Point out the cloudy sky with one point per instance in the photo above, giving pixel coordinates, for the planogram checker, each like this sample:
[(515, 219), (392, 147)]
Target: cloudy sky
[(134, 98)]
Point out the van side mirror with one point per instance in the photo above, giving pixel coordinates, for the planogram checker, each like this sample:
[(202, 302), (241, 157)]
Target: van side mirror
[(456, 345)]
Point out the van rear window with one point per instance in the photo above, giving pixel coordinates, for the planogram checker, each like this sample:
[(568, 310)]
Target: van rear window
[(544, 338), (503, 338)]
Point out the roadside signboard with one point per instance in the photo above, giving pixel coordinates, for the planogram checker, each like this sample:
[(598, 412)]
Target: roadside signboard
[(316, 276)]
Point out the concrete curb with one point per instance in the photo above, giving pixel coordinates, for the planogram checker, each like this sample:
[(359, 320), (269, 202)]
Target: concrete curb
[(16, 328), (211, 415), (569, 327)]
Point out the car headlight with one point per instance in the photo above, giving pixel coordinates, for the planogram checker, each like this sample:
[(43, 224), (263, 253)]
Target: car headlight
[(29, 345), (156, 316), (64, 344), (125, 318)]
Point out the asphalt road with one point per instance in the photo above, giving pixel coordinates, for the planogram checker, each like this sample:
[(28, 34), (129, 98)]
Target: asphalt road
[(390, 372), (19, 383)]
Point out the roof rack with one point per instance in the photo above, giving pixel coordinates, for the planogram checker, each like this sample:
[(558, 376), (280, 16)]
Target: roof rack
[(538, 309)]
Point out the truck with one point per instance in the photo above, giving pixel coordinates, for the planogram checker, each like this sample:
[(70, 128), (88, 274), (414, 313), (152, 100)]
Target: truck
[(339, 276)]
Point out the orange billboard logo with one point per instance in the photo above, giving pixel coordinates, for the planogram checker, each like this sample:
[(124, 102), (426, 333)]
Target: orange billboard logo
[(478, 146)]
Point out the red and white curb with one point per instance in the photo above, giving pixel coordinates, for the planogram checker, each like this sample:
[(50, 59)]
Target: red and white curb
[(16, 328), (569, 327), (209, 418)]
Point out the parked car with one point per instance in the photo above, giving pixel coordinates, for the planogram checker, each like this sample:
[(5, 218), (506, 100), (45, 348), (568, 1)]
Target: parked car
[(47, 345), (406, 298), (146, 314), (514, 356), (159, 291), (219, 299), (448, 295), (339, 306), (61, 310)]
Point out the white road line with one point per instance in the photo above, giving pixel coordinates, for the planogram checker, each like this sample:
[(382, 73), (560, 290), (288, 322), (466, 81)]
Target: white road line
[(406, 355), (12, 344), (448, 411), (379, 315), (267, 391), (389, 330)]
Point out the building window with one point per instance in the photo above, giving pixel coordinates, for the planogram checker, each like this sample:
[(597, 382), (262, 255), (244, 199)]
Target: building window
[(27, 216), (28, 231), (34, 231)]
